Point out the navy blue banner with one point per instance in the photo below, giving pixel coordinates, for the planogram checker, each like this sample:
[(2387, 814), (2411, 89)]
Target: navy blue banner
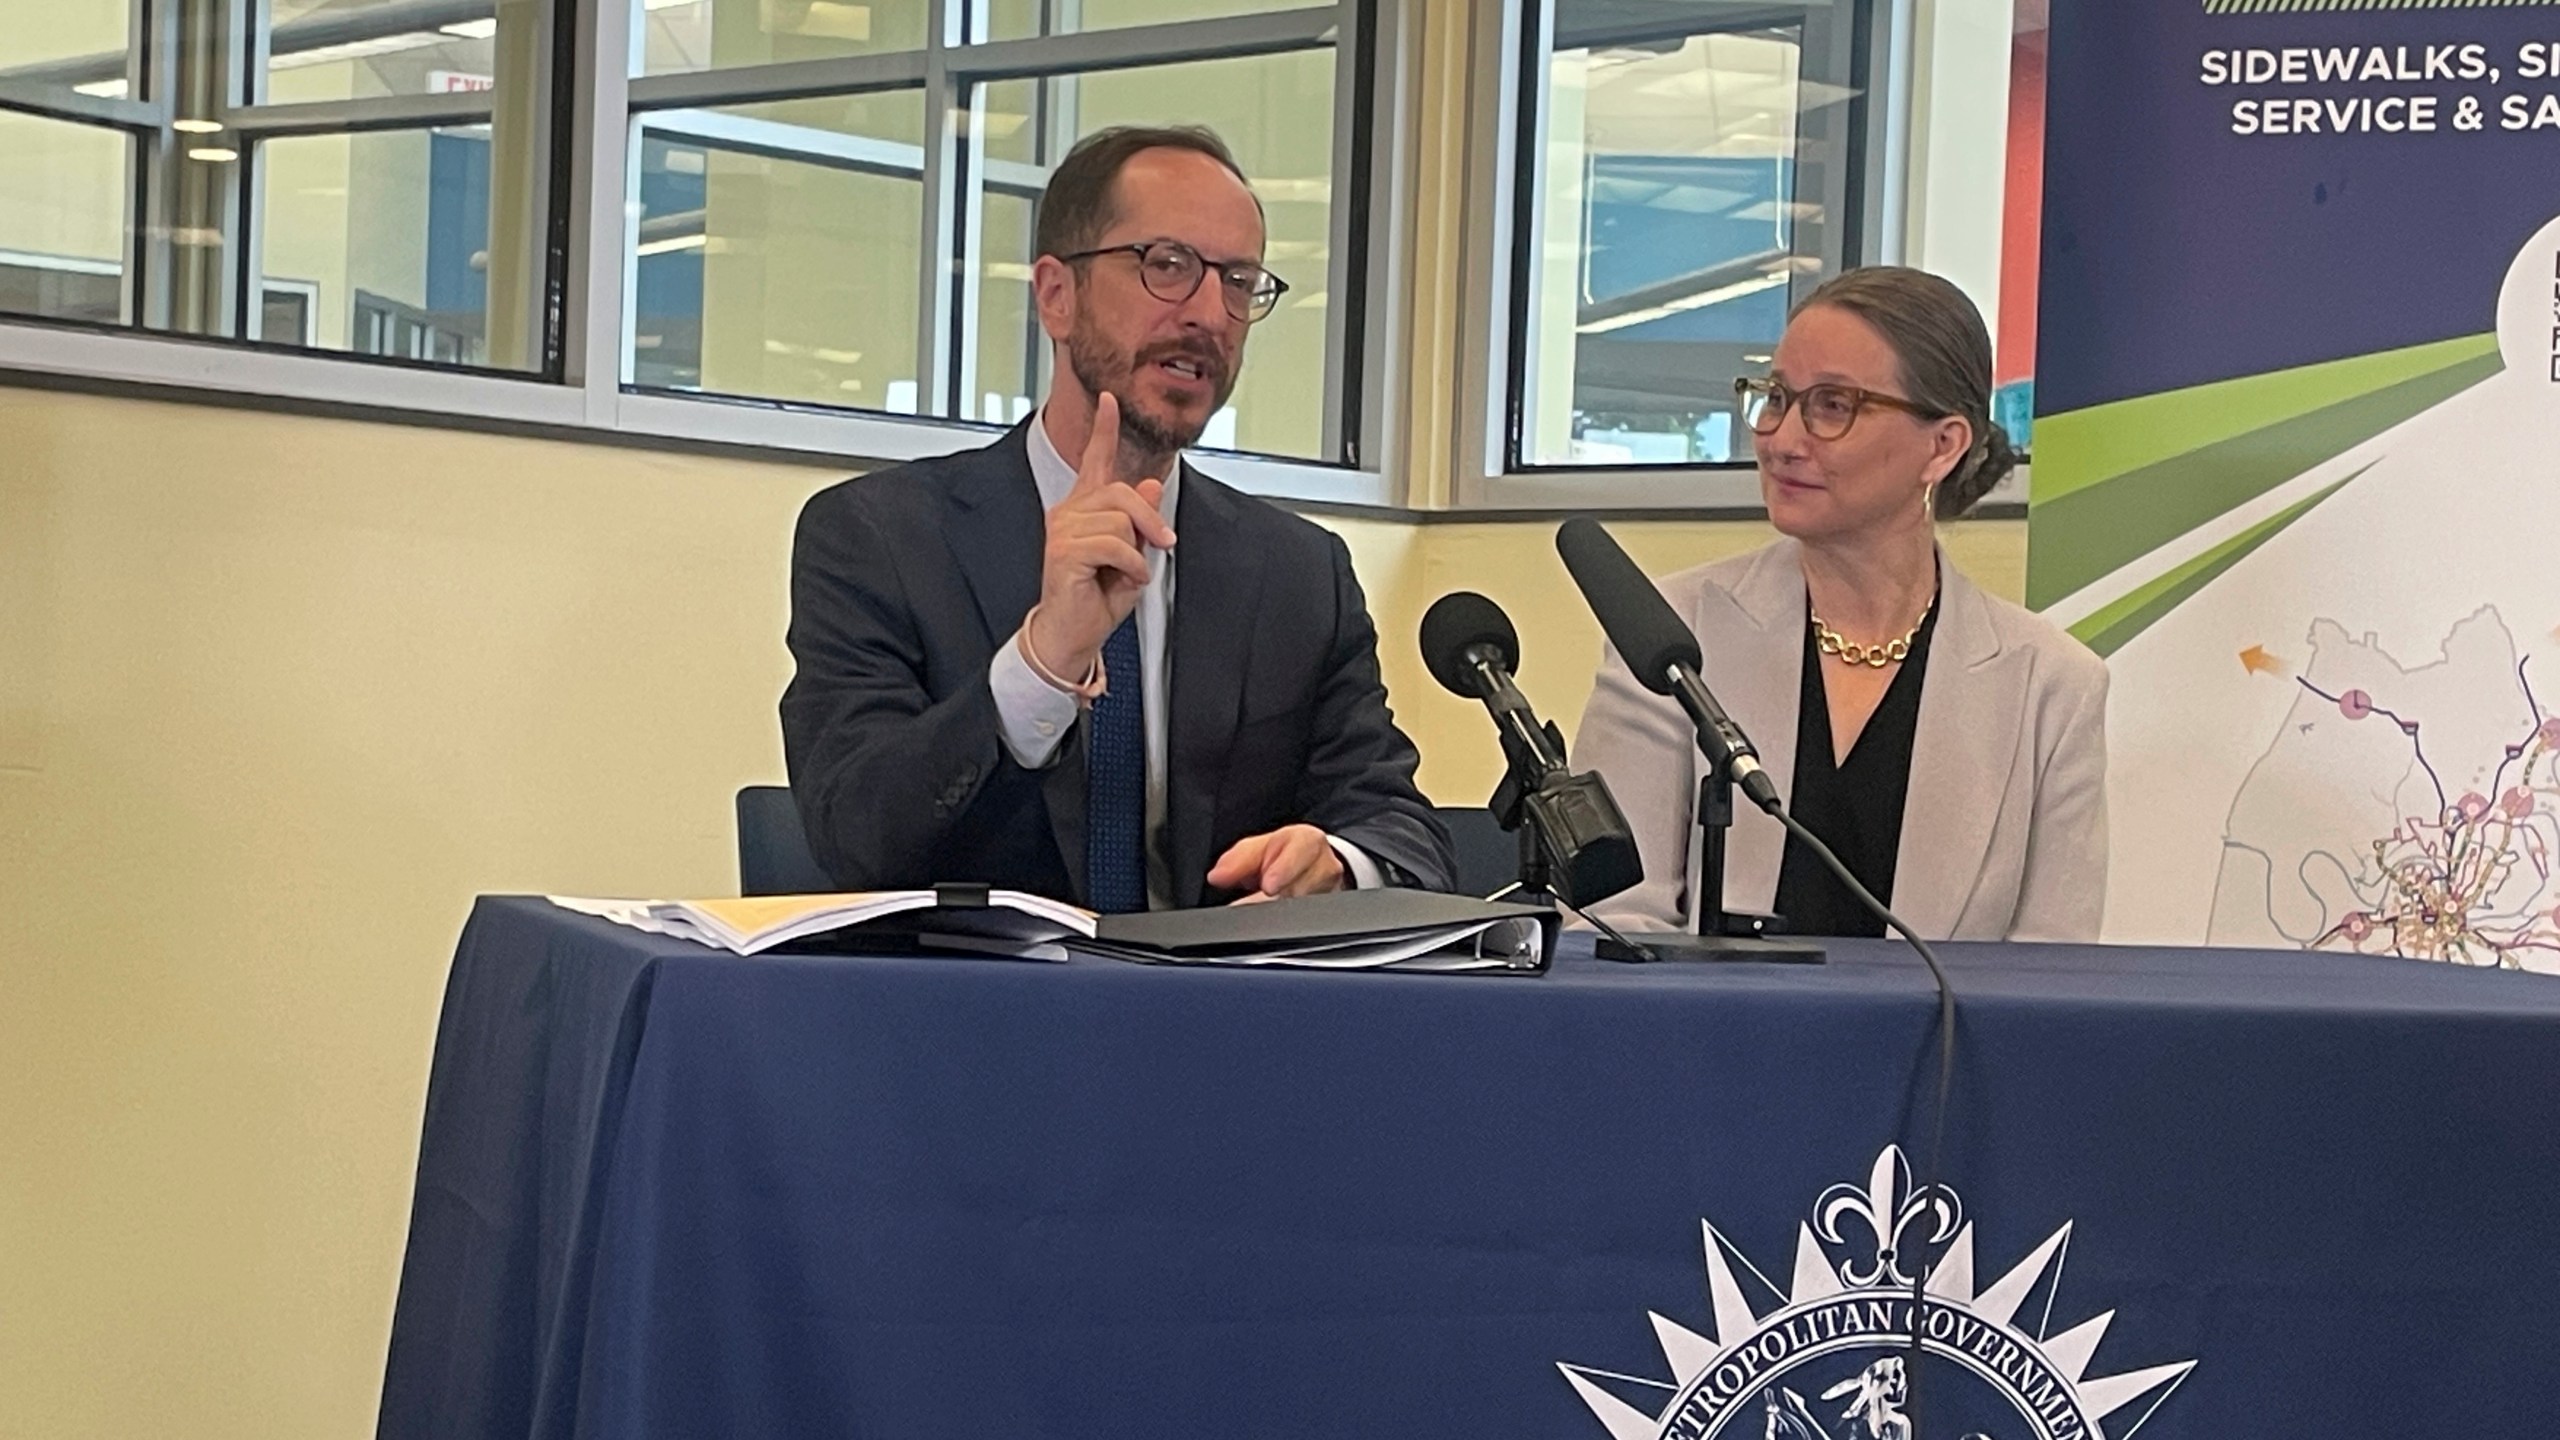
[(2229, 194)]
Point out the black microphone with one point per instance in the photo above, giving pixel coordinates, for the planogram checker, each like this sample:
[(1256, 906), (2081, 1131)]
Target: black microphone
[(1659, 649), (1471, 649), (1583, 847)]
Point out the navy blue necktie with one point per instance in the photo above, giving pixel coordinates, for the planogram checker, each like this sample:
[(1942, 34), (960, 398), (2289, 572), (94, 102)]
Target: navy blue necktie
[(1115, 781)]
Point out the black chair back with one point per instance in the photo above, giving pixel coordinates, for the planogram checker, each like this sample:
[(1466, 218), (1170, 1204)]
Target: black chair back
[(773, 851), (1488, 855)]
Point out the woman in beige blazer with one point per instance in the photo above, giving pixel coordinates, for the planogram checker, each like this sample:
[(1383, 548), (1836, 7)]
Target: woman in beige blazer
[(1949, 745)]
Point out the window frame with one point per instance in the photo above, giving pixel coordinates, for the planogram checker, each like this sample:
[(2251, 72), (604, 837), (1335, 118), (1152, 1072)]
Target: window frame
[(141, 124), (1511, 105), (595, 114), (256, 122)]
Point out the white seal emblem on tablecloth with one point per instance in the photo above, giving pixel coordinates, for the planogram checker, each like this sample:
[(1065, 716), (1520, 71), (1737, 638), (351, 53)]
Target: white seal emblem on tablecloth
[(1828, 1359)]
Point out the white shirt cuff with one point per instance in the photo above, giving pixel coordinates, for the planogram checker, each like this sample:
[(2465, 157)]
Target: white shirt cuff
[(1365, 874), (1033, 714)]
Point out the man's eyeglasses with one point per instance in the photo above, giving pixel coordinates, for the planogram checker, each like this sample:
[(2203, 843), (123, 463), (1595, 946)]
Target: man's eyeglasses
[(1827, 410), (1172, 271)]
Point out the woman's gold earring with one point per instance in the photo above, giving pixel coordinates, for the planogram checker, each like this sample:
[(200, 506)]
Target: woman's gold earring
[(1929, 500)]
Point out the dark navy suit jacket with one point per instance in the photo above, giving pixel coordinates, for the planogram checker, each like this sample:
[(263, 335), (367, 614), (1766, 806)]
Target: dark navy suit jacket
[(903, 584)]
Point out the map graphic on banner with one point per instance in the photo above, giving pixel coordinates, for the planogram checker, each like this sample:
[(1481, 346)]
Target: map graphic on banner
[(2297, 464)]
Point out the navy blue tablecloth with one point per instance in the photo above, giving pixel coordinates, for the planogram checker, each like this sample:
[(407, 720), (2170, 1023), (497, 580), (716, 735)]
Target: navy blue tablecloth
[(664, 1191)]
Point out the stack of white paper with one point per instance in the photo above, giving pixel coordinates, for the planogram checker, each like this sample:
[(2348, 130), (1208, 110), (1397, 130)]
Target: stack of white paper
[(755, 923)]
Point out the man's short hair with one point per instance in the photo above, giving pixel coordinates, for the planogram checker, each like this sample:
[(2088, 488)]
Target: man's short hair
[(1076, 208)]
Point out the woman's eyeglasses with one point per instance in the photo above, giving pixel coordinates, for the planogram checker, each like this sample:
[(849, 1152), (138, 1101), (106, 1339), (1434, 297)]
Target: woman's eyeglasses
[(1827, 410)]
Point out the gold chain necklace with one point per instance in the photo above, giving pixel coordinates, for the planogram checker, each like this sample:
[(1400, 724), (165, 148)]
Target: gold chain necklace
[(1891, 652)]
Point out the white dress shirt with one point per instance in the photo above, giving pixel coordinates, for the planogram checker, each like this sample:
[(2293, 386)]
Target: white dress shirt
[(1035, 715)]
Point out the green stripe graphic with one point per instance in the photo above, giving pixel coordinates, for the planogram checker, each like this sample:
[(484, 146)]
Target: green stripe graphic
[(2090, 516), (2105, 441), (2107, 628)]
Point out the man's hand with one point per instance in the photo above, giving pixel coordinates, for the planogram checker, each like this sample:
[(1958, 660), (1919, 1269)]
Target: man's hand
[(1095, 562), (1292, 860)]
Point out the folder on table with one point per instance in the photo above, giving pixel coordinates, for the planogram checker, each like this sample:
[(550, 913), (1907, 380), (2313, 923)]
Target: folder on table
[(1348, 930), (751, 924)]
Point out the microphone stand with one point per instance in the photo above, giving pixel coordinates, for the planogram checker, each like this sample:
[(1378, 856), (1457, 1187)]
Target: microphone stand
[(1720, 936), (1715, 817), (1544, 827), (1575, 847), (1515, 807), (1510, 805)]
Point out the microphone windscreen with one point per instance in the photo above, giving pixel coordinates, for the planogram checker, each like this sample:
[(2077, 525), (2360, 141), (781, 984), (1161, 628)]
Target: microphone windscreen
[(1457, 623), (1633, 614)]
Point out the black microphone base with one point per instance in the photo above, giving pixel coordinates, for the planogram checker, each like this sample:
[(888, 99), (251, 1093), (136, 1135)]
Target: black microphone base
[(1792, 950)]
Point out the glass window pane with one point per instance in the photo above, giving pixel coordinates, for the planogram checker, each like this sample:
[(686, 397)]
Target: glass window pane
[(63, 192), (779, 251), (717, 34), (380, 244), (1012, 354), (65, 42), (1020, 19), (1671, 220), (360, 49), (1276, 113)]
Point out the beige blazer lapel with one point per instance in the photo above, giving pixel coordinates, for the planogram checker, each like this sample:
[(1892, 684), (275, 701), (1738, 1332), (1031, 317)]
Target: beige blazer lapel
[(1972, 702), (1754, 661)]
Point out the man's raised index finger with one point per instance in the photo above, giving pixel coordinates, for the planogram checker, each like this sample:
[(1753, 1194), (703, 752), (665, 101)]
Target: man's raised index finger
[(1101, 462)]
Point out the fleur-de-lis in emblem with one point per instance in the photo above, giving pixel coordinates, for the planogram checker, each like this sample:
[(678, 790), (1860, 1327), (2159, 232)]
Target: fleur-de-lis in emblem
[(1894, 1216)]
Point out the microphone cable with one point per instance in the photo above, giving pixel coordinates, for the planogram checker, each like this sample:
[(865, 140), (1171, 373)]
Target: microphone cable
[(1946, 1063)]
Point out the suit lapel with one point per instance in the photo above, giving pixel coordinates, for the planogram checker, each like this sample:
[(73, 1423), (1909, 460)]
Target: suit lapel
[(997, 532), (1759, 677), (1960, 759), (1217, 592)]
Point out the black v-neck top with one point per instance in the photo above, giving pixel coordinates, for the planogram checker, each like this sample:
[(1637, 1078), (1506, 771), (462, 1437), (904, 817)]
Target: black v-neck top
[(1854, 805)]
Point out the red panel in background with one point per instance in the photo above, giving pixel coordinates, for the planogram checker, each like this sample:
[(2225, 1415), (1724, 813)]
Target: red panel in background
[(2022, 205)]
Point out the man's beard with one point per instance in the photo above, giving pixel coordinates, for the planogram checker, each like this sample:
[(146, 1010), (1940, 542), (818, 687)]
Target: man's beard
[(1097, 367)]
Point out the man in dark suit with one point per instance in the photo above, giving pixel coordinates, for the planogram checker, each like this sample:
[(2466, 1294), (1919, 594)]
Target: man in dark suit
[(998, 678)]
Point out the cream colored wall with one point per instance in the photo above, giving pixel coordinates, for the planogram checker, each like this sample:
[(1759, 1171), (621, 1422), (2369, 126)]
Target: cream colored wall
[(268, 719)]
